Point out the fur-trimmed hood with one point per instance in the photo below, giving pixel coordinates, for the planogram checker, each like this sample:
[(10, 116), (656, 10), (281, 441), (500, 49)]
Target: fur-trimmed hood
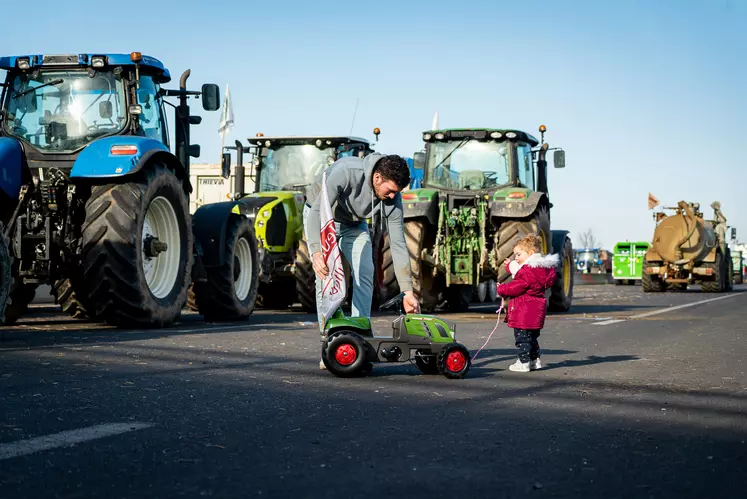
[(545, 262)]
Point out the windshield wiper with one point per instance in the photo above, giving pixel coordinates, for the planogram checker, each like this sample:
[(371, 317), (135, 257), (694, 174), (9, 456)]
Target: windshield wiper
[(34, 89), (466, 139)]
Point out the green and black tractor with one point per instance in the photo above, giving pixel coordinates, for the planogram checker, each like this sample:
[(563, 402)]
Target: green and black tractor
[(284, 168), (483, 190)]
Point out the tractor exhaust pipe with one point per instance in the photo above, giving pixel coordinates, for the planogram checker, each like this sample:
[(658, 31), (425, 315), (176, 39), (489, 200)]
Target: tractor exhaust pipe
[(238, 181), (542, 169)]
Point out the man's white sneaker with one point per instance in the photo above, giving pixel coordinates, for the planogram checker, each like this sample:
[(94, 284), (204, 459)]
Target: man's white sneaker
[(519, 367), (535, 364), (322, 366)]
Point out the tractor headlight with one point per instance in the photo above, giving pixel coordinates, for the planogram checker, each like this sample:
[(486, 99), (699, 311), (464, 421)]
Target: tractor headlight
[(98, 61), (319, 142), (267, 143), (511, 135), (23, 63), (261, 223), (496, 135), (440, 136), (427, 137), (266, 213)]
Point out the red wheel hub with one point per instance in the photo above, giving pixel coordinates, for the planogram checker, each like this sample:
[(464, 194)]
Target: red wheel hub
[(456, 361), (345, 355)]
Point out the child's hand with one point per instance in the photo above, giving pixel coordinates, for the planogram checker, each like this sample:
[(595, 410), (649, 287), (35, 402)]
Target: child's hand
[(506, 261)]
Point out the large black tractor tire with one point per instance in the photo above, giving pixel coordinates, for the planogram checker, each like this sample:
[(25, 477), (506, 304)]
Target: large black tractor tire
[(6, 273), (561, 293), (728, 271), (718, 284), (458, 297), (385, 280), (511, 231), (133, 280), (346, 354), (650, 283), (70, 297), (305, 278), (230, 291), (426, 287)]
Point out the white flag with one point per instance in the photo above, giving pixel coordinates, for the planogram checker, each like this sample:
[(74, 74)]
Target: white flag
[(333, 286), (226, 115)]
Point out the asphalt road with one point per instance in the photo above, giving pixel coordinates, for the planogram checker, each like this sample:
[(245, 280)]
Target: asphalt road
[(639, 399)]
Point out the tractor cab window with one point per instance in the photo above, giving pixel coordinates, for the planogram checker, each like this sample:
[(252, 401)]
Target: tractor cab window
[(152, 120), (64, 110), (293, 167), (467, 164), (524, 165)]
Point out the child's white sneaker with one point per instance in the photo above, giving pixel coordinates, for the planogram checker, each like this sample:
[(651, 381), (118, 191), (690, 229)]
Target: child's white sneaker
[(535, 364), (519, 367)]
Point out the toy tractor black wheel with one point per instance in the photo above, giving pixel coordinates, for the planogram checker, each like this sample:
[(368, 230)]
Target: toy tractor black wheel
[(426, 287), (345, 354), (651, 283), (453, 361), (230, 291), (305, 278), (385, 280), (561, 293), (427, 363), (137, 249)]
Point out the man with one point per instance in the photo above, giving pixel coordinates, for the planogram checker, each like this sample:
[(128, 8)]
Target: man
[(358, 188)]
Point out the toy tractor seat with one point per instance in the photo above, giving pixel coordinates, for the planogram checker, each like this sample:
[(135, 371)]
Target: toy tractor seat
[(471, 179)]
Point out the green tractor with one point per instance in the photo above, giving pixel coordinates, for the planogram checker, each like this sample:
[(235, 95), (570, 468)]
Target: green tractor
[(284, 168), (480, 195)]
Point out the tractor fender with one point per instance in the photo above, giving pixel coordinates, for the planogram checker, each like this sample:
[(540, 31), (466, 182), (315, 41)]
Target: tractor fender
[(558, 240), (423, 207), (276, 218), (11, 163), (96, 161), (518, 208), (653, 256), (209, 226)]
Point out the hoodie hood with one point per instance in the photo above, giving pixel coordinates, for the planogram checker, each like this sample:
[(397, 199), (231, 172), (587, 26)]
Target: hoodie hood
[(545, 262), (368, 164)]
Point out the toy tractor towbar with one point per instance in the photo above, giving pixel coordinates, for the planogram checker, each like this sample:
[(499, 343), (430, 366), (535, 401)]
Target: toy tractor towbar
[(352, 346)]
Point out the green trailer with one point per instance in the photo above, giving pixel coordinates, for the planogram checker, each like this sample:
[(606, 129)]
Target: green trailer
[(627, 261), (737, 266)]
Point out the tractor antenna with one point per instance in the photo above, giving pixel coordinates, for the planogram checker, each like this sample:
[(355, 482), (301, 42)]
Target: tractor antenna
[(355, 111)]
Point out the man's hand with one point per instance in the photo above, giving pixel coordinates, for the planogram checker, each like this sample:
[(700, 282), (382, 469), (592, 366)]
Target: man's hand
[(411, 304), (320, 267)]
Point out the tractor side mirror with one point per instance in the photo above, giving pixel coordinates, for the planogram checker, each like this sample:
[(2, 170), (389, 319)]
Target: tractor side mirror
[(733, 233), (418, 160), (194, 150), (105, 110), (559, 159), (225, 165), (210, 97)]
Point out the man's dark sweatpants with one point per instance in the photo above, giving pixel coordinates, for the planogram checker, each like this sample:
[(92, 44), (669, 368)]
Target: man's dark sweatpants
[(526, 342)]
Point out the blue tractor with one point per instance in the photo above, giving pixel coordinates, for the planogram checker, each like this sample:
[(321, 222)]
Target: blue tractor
[(94, 202)]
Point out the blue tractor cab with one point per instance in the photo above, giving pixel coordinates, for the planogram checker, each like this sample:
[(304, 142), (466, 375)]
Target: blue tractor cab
[(93, 197)]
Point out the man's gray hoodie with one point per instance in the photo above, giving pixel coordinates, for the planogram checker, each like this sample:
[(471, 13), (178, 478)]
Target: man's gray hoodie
[(351, 195)]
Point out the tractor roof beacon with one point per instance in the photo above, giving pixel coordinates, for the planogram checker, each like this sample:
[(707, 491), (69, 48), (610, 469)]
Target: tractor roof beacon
[(93, 200)]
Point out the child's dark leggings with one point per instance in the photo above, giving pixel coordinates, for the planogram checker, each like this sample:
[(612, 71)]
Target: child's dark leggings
[(526, 342)]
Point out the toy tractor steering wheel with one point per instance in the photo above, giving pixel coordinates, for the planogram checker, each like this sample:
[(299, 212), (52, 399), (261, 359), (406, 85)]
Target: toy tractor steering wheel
[(396, 303)]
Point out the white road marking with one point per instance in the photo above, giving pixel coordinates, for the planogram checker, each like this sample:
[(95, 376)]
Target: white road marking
[(665, 310), (66, 438)]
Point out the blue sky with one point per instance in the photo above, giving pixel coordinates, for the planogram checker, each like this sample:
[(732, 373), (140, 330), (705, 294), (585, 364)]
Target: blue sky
[(643, 96)]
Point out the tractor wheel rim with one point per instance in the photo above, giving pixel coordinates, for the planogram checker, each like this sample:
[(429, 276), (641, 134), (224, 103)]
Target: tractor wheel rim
[(161, 270), (346, 354), (243, 282), (456, 361)]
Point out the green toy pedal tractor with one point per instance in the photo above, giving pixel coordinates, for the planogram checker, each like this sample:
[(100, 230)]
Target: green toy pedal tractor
[(351, 346)]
